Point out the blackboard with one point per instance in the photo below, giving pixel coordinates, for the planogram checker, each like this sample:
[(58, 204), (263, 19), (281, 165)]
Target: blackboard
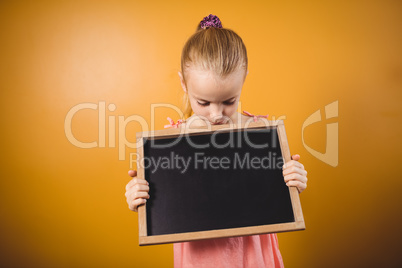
[(216, 183)]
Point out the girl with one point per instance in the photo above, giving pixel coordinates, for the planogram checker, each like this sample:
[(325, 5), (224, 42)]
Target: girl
[(213, 70)]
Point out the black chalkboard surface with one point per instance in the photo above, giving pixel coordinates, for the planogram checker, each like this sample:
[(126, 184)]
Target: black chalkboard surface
[(216, 183)]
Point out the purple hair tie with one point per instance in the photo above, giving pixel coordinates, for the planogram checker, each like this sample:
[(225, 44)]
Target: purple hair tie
[(211, 21)]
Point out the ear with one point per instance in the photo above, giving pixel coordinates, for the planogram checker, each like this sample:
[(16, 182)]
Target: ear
[(245, 76), (183, 84)]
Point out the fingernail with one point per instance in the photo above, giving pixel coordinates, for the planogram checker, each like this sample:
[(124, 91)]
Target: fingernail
[(145, 200), (284, 166)]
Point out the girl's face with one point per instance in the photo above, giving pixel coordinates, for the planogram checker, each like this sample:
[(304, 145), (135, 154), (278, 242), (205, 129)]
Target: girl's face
[(212, 97)]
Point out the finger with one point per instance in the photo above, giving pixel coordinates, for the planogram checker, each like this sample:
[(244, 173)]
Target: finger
[(135, 181), (135, 195), (137, 188), (293, 163), (295, 176), (132, 173), (295, 157), (135, 203), (294, 169), (300, 186)]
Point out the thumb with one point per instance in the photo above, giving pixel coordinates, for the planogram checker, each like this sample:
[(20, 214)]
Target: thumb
[(296, 157), (132, 173)]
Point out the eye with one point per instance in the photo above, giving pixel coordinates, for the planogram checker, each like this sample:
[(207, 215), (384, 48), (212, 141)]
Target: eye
[(203, 104), (230, 102)]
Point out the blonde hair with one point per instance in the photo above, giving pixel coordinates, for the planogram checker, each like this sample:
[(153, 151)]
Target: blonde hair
[(219, 50)]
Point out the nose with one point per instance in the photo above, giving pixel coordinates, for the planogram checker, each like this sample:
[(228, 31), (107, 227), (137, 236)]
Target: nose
[(216, 113)]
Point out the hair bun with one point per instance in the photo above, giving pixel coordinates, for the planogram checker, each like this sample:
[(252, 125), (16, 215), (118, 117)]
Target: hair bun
[(211, 21)]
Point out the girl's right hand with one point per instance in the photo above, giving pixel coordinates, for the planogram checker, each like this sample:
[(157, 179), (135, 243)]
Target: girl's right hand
[(136, 191)]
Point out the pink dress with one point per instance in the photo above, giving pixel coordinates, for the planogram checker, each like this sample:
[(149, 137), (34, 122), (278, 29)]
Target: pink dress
[(244, 252), (247, 251)]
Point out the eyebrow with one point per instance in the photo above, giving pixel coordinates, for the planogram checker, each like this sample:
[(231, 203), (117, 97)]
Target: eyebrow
[(223, 101)]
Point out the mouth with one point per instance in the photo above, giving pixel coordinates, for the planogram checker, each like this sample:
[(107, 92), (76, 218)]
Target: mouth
[(218, 123)]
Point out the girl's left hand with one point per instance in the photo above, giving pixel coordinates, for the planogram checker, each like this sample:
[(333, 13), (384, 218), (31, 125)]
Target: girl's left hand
[(295, 174)]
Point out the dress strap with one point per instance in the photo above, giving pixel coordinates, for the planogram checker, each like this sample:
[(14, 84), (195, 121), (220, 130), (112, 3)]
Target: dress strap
[(172, 124), (255, 116)]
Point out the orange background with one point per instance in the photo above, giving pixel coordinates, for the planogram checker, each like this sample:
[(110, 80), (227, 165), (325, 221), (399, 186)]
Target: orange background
[(64, 206)]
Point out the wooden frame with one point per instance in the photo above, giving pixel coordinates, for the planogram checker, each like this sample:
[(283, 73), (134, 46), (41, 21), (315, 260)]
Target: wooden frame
[(298, 223)]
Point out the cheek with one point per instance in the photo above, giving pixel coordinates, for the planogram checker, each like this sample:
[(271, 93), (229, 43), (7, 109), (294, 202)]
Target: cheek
[(198, 110), (230, 110)]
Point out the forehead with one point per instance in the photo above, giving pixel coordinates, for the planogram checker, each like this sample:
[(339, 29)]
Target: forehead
[(206, 85)]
